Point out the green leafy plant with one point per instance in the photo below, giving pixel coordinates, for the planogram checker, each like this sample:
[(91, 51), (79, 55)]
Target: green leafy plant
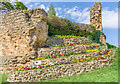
[(51, 11)]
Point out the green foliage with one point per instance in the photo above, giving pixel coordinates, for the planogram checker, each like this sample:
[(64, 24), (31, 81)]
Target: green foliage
[(51, 11), (97, 36), (5, 0), (20, 6), (110, 46), (92, 26), (62, 26), (10, 6)]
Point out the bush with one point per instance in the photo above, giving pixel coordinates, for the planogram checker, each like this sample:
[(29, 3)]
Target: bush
[(97, 36), (110, 46), (62, 26)]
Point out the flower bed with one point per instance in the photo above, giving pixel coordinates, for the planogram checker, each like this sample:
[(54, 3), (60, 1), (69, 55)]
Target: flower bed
[(60, 55), (62, 40), (65, 45), (58, 71), (68, 54), (21, 68), (92, 50), (47, 52), (68, 36)]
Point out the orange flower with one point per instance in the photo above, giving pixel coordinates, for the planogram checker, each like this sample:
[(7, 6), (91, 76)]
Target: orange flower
[(88, 58)]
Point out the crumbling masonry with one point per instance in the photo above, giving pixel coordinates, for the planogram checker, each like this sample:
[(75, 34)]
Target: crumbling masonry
[(22, 32), (96, 19)]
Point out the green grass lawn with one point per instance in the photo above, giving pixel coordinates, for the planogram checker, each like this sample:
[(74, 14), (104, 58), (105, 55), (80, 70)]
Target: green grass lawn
[(108, 74), (3, 77)]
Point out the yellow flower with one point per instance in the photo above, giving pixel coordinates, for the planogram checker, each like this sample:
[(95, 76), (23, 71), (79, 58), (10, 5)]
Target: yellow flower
[(50, 56), (102, 55), (88, 58), (92, 58), (77, 60), (19, 68), (68, 44), (38, 58), (42, 58), (81, 60)]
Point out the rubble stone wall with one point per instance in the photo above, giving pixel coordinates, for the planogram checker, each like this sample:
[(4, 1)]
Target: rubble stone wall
[(96, 19), (57, 71), (72, 57), (67, 40), (62, 50), (22, 32)]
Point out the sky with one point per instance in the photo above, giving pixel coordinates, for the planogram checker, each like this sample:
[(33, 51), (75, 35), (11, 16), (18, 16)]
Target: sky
[(79, 12)]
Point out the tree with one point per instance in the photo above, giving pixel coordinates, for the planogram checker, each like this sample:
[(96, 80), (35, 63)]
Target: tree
[(51, 11), (20, 6), (7, 5)]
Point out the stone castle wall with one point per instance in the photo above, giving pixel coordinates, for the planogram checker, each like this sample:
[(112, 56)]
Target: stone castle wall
[(62, 50), (22, 32), (58, 71), (67, 40), (96, 19)]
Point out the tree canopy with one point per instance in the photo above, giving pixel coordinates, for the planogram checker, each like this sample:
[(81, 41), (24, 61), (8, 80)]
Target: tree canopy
[(51, 11), (7, 5)]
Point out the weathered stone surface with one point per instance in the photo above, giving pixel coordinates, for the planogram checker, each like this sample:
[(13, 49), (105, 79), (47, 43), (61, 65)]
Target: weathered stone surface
[(96, 19), (22, 32), (62, 50), (57, 71), (68, 40), (73, 57)]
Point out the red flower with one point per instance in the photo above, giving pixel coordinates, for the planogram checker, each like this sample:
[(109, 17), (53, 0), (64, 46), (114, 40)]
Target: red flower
[(15, 68), (26, 67), (58, 55), (101, 57), (53, 56), (39, 66), (34, 67), (80, 52), (48, 65)]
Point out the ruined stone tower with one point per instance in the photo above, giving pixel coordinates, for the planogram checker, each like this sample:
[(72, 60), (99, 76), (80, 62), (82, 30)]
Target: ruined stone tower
[(22, 32), (96, 20)]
